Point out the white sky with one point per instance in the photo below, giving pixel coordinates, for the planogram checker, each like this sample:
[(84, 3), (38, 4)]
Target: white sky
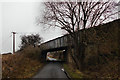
[(20, 17), (0, 27)]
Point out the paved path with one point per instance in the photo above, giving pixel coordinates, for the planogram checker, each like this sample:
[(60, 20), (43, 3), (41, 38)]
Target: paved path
[(51, 70)]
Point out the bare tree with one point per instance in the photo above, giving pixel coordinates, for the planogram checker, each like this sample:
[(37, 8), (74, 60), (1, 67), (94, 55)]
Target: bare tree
[(74, 16)]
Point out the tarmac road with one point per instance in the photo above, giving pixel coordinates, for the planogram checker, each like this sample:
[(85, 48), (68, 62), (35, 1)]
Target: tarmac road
[(51, 70)]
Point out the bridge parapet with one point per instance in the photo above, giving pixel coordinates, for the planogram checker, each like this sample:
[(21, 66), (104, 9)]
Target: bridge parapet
[(56, 43)]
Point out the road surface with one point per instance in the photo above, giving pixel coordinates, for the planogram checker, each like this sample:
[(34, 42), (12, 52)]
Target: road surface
[(52, 70)]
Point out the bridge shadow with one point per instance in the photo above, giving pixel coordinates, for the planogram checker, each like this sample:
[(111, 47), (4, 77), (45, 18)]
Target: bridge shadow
[(54, 55)]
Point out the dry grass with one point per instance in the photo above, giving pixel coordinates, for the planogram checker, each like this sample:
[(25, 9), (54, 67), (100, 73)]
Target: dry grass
[(102, 64), (73, 72), (21, 65), (99, 72), (98, 65)]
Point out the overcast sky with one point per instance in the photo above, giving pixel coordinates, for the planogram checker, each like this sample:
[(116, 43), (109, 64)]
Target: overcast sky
[(20, 17)]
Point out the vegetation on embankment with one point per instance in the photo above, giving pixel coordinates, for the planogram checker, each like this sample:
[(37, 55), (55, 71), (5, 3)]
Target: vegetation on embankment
[(99, 65), (105, 66), (73, 72), (23, 64), (102, 51), (108, 71)]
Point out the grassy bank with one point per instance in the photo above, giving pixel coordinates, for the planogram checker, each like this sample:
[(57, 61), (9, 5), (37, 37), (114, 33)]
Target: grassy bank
[(108, 71), (72, 72), (23, 64)]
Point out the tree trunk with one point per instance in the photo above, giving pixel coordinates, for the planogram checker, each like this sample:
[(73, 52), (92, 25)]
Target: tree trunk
[(79, 51)]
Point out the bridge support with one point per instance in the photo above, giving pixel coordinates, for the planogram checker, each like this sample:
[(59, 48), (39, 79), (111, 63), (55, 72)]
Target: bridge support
[(65, 54), (43, 56)]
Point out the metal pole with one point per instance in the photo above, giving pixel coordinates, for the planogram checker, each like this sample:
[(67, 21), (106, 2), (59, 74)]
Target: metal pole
[(13, 42)]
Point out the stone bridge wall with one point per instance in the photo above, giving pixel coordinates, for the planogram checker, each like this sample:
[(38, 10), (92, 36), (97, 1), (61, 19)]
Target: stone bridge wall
[(102, 40)]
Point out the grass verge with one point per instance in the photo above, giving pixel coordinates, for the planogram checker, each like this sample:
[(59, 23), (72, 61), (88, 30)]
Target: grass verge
[(73, 73)]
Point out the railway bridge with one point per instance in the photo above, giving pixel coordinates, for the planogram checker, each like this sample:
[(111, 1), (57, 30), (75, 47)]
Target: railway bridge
[(101, 32), (57, 44)]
